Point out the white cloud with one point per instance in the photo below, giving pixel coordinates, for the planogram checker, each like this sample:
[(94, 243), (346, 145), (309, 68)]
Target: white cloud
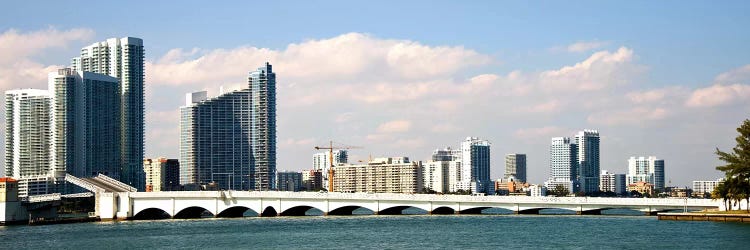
[(602, 69), (719, 95), (18, 69), (738, 75), (660, 95), (395, 126), (585, 46)]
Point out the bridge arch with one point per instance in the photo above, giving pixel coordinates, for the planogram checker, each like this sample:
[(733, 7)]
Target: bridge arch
[(443, 210), (269, 212), (193, 213), (349, 210), (299, 211), (235, 212), (152, 214), (398, 210)]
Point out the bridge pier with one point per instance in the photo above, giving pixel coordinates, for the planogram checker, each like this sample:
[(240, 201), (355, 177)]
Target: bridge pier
[(650, 213)]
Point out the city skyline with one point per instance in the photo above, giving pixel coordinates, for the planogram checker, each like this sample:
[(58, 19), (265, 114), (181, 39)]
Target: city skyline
[(649, 85)]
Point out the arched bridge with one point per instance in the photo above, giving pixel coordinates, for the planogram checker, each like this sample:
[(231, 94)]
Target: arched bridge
[(195, 204)]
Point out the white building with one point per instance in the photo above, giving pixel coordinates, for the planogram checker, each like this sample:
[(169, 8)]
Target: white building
[(702, 187), (122, 58), (321, 162), (85, 124), (563, 164), (28, 140), (435, 176), (646, 169), (475, 165), (611, 182), (537, 190), (215, 141)]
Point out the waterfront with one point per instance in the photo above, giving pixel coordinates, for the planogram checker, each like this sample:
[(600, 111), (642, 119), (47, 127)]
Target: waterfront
[(390, 232)]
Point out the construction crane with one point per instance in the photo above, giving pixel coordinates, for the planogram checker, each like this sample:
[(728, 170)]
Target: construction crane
[(330, 160)]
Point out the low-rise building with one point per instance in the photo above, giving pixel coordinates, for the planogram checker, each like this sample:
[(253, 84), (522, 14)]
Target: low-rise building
[(537, 190), (644, 188), (705, 188), (510, 186), (312, 180), (381, 175)]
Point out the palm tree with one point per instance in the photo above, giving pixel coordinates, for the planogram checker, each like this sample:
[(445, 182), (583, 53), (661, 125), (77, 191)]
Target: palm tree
[(737, 168)]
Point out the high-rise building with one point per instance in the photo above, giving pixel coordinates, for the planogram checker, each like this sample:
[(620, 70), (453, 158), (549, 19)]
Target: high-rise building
[(262, 89), (215, 144), (162, 174), (289, 181), (475, 167), (588, 160), (381, 175), (122, 58), (446, 154), (515, 165), (610, 182), (646, 169), (321, 162), (28, 140), (85, 124), (563, 164), (435, 176)]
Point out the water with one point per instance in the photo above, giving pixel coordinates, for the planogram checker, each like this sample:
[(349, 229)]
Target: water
[(386, 232)]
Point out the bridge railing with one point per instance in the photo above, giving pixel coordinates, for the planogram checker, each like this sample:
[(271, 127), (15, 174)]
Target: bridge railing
[(42, 198), (603, 201)]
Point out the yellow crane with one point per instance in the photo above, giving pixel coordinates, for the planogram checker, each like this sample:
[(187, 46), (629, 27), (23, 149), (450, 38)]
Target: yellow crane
[(330, 160)]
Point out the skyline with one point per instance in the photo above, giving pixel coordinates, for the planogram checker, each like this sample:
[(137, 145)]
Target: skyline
[(406, 91)]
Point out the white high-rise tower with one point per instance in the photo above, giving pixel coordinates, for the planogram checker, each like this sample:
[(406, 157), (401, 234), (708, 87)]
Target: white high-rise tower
[(122, 58)]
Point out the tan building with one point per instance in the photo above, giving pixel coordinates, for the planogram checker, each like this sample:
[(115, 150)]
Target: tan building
[(381, 175), (162, 174), (312, 180), (8, 189), (641, 187), (510, 186)]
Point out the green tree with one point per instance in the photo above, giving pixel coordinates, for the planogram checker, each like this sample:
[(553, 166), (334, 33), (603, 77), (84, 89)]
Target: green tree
[(559, 190), (737, 168)]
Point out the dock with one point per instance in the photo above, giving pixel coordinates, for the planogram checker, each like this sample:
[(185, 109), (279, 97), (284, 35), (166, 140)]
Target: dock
[(744, 218)]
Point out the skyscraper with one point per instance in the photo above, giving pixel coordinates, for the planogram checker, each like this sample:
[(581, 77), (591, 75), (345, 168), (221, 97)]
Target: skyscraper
[(215, 141), (588, 160), (85, 124), (646, 169), (28, 140), (475, 168), (563, 164), (123, 59), (515, 165), (262, 88)]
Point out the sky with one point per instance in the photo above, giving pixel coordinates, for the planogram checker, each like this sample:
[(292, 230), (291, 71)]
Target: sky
[(403, 78)]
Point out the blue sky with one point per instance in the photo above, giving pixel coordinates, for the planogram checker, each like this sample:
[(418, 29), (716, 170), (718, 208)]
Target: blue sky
[(660, 60)]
